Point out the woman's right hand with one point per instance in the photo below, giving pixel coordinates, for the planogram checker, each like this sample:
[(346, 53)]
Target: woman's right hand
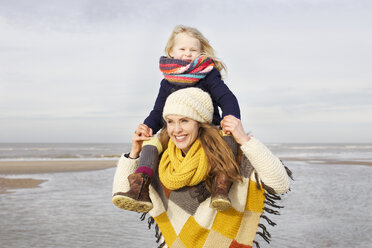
[(137, 140)]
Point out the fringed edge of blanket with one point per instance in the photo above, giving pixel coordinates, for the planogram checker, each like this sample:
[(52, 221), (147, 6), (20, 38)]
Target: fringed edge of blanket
[(151, 222), (271, 208)]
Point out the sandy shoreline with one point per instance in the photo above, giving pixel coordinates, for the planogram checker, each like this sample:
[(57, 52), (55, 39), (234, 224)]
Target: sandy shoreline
[(327, 161), (39, 167), (53, 166), (7, 184)]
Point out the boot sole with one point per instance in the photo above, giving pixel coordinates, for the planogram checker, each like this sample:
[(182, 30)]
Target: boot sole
[(130, 204), (220, 204)]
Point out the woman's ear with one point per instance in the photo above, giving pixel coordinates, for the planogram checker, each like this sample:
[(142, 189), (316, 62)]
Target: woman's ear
[(199, 129)]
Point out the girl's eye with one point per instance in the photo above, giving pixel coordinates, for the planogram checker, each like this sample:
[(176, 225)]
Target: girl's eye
[(182, 49), (185, 120), (169, 121)]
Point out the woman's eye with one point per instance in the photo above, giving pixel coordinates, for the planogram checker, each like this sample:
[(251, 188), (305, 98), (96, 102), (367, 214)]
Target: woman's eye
[(169, 121), (185, 121)]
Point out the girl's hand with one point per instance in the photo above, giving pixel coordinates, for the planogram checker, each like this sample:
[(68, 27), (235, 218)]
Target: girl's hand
[(143, 130), (234, 126), (137, 141), (223, 129)]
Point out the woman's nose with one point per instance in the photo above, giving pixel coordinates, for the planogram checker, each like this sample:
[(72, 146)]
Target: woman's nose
[(177, 128)]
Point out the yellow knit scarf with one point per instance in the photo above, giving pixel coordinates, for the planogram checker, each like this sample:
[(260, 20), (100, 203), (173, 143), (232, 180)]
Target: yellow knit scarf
[(176, 171)]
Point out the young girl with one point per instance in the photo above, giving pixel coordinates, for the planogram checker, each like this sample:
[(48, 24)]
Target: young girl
[(190, 62)]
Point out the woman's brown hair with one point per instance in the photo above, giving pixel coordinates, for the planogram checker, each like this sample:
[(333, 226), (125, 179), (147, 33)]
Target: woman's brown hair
[(219, 154)]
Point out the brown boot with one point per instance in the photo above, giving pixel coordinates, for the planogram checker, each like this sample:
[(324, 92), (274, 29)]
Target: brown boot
[(220, 192), (137, 198)]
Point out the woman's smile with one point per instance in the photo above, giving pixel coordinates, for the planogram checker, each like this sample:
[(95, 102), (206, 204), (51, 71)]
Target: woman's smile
[(180, 138), (182, 130)]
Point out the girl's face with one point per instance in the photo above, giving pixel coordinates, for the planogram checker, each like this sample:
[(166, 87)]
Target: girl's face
[(185, 47), (182, 130)]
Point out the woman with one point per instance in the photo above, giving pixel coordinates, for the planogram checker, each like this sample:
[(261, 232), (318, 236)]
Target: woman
[(194, 152)]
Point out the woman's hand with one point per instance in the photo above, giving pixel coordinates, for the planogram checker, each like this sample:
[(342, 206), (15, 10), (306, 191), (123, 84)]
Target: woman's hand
[(231, 124), (137, 140)]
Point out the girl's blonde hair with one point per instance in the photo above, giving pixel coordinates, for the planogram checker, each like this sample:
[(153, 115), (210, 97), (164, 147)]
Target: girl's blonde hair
[(206, 48), (219, 154)]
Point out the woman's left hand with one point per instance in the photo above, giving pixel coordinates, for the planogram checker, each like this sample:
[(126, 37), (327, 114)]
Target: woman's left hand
[(233, 125)]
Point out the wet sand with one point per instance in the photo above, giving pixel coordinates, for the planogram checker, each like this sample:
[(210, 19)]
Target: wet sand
[(328, 161), (39, 167), (7, 184)]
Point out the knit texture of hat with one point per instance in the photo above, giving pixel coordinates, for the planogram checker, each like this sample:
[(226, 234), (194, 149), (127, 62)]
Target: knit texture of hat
[(191, 102)]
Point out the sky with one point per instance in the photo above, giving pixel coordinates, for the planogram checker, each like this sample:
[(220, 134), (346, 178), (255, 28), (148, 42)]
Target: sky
[(88, 70)]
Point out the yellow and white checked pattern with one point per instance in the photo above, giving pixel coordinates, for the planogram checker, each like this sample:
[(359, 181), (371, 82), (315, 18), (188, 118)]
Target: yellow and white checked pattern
[(230, 228)]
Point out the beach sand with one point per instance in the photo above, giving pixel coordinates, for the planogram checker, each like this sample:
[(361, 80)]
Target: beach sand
[(328, 161), (7, 184), (38, 167)]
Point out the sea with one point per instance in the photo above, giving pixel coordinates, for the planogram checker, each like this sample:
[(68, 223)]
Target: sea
[(329, 204)]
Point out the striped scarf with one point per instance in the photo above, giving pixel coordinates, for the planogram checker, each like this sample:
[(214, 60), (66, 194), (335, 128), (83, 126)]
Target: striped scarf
[(182, 72)]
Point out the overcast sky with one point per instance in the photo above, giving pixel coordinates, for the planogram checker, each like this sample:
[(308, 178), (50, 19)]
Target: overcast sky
[(87, 70)]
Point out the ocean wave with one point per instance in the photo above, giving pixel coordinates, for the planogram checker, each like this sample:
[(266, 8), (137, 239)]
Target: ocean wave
[(7, 149), (55, 159), (306, 147), (359, 147), (328, 147), (53, 151)]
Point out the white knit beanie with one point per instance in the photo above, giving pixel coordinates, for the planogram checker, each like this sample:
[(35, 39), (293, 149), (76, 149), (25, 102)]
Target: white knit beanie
[(191, 102)]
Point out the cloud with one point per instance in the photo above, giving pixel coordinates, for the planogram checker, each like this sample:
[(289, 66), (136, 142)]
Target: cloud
[(74, 64)]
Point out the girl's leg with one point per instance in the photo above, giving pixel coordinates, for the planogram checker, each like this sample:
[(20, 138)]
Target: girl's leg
[(137, 198), (149, 158), (221, 183)]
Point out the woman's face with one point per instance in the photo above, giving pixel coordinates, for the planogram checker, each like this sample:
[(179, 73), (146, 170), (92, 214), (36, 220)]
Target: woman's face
[(182, 130), (185, 47)]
